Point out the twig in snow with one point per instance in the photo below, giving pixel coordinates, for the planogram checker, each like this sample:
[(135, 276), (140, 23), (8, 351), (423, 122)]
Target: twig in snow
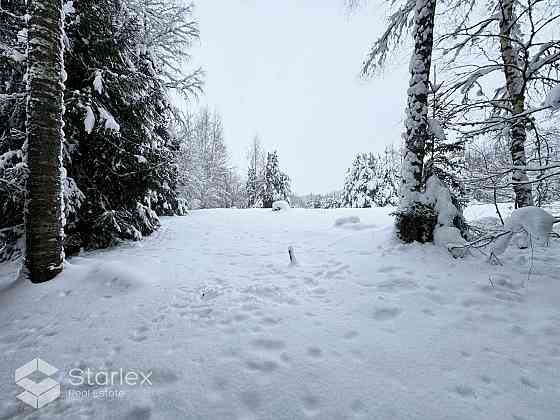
[(292, 255), (532, 258)]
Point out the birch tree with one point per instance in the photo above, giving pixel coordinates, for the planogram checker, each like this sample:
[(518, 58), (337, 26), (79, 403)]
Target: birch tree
[(516, 93), (517, 39), (44, 205)]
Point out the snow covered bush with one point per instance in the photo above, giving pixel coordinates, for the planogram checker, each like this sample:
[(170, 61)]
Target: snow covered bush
[(430, 210)]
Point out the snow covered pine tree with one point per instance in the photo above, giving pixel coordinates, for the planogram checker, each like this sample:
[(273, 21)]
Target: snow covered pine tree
[(372, 181), (276, 183), (119, 153), (44, 218), (13, 170)]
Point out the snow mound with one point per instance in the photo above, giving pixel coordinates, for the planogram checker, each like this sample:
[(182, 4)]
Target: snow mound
[(280, 205), (535, 221), (531, 221), (448, 237), (352, 223), (341, 221)]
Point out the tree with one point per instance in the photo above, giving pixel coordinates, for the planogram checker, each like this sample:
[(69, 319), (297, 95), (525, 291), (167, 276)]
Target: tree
[(361, 182), (169, 31), (412, 221), (372, 181), (44, 226), (276, 183), (207, 180), (518, 40), (13, 98), (424, 200), (120, 151), (255, 173), (516, 94)]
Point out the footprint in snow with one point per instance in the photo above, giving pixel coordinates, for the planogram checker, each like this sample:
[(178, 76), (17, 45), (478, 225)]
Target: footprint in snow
[(315, 352), (264, 366), (311, 405), (351, 335), (139, 334), (465, 391), (384, 314), (529, 383), (387, 269), (268, 344), (396, 285)]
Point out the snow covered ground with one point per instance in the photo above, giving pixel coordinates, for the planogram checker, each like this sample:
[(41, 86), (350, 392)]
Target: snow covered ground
[(362, 327)]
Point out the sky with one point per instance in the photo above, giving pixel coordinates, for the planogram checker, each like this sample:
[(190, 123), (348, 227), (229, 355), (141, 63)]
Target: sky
[(289, 72)]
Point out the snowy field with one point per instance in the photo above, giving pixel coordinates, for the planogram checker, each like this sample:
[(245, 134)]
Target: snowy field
[(363, 327)]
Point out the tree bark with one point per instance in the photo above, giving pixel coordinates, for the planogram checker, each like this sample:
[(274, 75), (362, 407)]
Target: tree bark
[(416, 123), (44, 205), (516, 86), (412, 224)]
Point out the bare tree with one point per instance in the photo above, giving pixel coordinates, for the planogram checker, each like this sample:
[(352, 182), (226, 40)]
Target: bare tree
[(169, 31), (44, 204)]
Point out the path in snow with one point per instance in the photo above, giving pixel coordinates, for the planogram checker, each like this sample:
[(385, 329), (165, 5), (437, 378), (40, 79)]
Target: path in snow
[(363, 327)]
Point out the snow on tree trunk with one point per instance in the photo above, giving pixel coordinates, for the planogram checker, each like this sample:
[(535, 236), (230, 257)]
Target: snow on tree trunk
[(410, 207), (516, 91), (44, 205)]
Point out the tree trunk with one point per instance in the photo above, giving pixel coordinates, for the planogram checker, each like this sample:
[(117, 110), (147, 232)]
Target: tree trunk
[(44, 204), (516, 92), (416, 123)]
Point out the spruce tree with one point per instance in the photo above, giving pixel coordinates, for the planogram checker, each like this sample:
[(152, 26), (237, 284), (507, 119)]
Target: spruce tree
[(119, 149), (13, 169), (276, 183)]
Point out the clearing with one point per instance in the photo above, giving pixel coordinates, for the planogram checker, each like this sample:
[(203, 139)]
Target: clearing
[(362, 327)]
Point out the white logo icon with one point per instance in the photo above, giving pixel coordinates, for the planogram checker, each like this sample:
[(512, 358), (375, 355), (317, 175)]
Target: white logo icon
[(37, 394)]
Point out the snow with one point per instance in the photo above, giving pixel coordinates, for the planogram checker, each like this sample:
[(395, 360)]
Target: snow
[(110, 122), (436, 129), (535, 221), (341, 221), (363, 327), (89, 121), (553, 98), (98, 82), (141, 159), (280, 205)]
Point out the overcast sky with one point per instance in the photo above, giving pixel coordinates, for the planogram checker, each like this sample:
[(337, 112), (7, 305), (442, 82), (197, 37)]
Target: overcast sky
[(288, 70)]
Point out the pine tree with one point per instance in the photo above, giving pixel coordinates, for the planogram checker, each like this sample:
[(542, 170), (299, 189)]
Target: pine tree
[(372, 181), (119, 150), (44, 221), (361, 182), (251, 187), (255, 173), (276, 183), (13, 169)]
